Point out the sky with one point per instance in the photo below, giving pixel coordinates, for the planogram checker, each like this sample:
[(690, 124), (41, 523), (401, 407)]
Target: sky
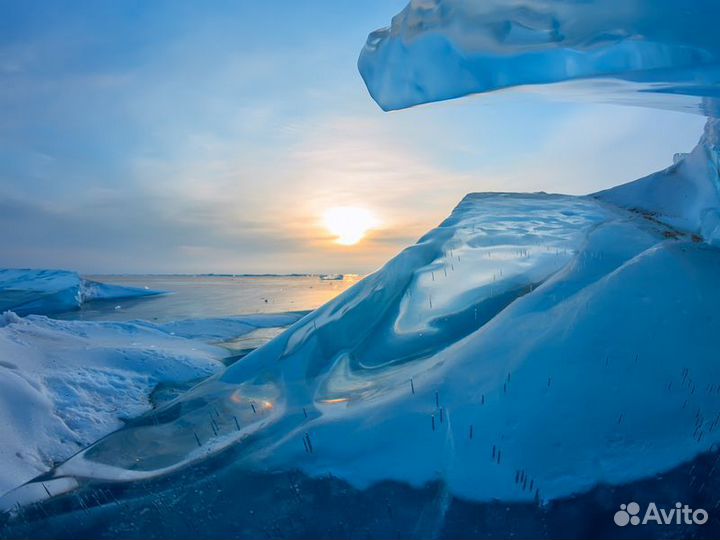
[(186, 137)]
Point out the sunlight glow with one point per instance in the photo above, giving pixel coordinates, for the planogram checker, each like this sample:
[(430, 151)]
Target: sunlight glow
[(349, 224)]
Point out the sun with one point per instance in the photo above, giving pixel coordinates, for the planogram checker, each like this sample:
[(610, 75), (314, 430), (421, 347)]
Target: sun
[(349, 223)]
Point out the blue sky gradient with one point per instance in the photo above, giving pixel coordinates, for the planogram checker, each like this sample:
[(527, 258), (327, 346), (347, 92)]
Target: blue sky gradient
[(210, 136)]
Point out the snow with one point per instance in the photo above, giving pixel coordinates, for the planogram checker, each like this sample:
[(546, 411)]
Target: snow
[(66, 384), (570, 335), (44, 292), (221, 329), (442, 49)]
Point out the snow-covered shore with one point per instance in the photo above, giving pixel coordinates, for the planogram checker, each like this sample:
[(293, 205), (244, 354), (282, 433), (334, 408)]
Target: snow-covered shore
[(66, 384)]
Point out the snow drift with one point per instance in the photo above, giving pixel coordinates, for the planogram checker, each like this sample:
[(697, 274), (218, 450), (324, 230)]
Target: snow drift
[(44, 292)]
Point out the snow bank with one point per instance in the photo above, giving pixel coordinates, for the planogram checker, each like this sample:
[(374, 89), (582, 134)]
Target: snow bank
[(442, 49), (66, 384), (225, 328), (529, 348), (53, 291)]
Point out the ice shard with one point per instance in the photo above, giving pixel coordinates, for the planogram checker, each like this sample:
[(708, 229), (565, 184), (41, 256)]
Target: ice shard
[(442, 49)]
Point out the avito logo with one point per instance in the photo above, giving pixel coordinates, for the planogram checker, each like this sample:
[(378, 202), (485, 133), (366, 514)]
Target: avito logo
[(629, 514)]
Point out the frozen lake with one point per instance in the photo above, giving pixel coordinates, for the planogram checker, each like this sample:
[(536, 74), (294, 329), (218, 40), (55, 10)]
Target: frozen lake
[(198, 297)]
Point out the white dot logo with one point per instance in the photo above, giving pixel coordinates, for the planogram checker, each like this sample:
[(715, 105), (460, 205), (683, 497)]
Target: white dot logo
[(681, 514), (628, 513)]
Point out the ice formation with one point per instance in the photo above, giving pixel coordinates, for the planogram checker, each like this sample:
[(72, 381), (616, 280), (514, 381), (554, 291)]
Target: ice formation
[(665, 52), (442, 49), (53, 291), (686, 194), (523, 321)]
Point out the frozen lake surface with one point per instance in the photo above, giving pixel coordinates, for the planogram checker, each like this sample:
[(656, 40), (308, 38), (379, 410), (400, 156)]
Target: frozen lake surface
[(199, 297)]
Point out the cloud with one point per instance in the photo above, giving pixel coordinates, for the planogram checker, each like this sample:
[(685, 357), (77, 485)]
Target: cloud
[(126, 235)]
